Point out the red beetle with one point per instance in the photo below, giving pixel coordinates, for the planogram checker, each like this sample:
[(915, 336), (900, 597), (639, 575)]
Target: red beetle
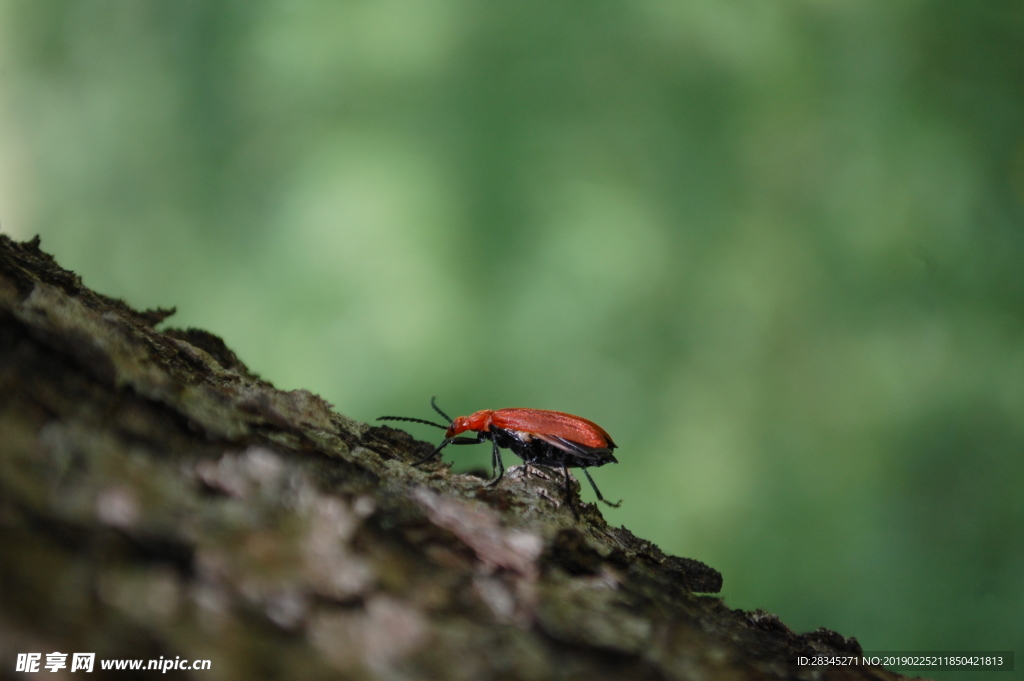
[(537, 436)]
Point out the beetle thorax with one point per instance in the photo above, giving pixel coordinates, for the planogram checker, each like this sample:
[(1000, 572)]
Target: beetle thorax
[(479, 422)]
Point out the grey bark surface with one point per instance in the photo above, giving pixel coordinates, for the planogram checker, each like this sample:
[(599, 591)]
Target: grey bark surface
[(158, 499)]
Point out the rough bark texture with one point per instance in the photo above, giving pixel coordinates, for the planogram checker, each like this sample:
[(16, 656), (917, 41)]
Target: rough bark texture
[(159, 499)]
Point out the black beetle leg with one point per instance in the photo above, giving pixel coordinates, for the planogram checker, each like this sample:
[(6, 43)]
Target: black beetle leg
[(451, 441), (435, 452), (496, 459), (568, 493), (598, 492)]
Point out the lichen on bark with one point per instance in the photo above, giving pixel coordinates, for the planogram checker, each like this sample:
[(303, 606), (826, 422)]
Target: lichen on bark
[(157, 498)]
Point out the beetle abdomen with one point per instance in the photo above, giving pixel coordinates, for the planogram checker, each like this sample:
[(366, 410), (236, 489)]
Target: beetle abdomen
[(537, 450)]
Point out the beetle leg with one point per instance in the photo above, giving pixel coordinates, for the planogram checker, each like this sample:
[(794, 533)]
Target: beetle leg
[(451, 441), (434, 453), (496, 459), (568, 493), (598, 492), (468, 440)]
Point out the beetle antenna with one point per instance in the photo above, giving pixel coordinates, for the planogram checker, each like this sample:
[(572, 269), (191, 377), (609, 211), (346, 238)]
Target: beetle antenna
[(407, 418), (433, 403)]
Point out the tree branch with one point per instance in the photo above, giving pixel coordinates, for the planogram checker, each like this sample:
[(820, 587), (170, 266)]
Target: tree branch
[(159, 499)]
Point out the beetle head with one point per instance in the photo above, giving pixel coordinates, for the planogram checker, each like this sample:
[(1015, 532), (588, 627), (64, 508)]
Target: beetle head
[(460, 425)]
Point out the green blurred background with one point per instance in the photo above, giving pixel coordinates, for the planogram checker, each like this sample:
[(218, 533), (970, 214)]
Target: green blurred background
[(775, 248)]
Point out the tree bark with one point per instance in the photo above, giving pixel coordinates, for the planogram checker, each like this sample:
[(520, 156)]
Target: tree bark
[(159, 500)]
